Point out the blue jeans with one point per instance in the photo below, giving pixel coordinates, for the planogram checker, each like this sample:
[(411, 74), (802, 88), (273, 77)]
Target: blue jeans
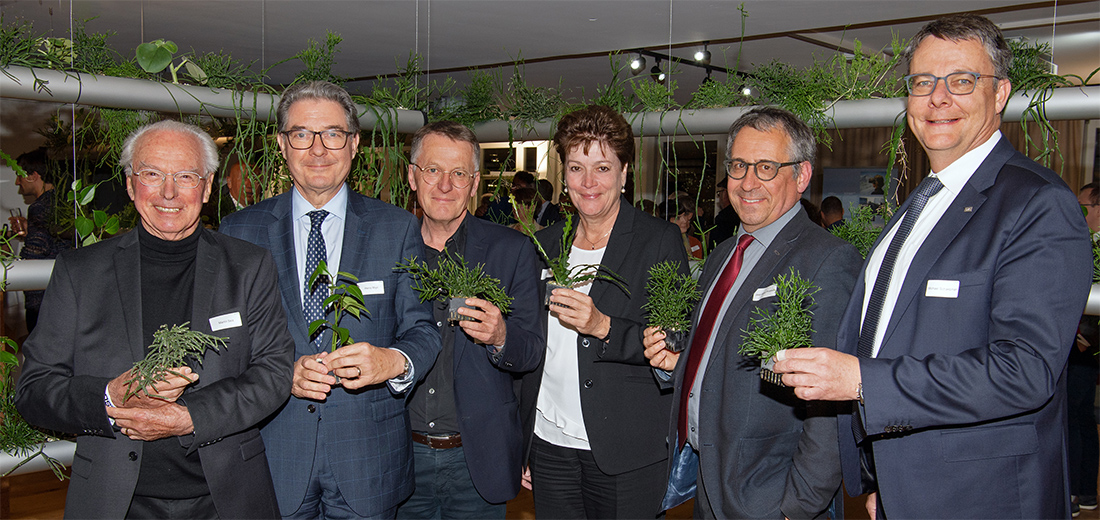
[(444, 488)]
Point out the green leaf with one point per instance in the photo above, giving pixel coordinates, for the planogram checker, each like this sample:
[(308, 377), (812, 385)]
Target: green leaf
[(7, 358), (316, 324), (195, 72), (86, 195), (349, 276), (330, 300), (112, 225), (343, 335), (153, 58), (168, 45), (84, 226), (354, 291), (100, 217)]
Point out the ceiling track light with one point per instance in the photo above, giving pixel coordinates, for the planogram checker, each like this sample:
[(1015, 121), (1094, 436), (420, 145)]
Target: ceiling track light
[(637, 65), (702, 57), (658, 74)]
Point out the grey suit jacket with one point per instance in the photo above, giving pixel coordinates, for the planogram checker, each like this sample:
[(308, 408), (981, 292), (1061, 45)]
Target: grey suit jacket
[(765, 453), (965, 403), (365, 431), (89, 332)]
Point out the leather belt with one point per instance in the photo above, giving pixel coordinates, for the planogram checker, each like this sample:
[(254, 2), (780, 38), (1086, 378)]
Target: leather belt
[(438, 442)]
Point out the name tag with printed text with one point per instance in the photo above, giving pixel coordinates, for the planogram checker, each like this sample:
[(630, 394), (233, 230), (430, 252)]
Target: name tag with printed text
[(225, 321), (372, 287), (764, 292), (942, 289)]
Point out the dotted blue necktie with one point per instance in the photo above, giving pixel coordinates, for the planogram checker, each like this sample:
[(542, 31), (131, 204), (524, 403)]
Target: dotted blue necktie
[(313, 303)]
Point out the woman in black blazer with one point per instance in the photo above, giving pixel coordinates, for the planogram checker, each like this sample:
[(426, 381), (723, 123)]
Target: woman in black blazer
[(596, 412)]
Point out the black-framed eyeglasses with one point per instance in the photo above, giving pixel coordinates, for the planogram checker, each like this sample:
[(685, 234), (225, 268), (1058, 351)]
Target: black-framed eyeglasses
[(153, 178), (736, 169), (332, 139), (460, 178), (958, 83)]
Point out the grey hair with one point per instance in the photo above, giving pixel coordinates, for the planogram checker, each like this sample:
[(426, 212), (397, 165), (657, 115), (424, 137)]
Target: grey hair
[(452, 130), (802, 146), (209, 149), (967, 26), (322, 90)]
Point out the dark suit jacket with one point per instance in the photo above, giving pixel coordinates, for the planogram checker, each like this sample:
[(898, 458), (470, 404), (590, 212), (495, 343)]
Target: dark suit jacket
[(366, 431), (765, 453), (90, 332), (967, 397), (488, 410), (624, 408)]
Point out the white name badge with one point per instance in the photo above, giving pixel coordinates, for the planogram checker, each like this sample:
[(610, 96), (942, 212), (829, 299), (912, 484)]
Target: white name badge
[(225, 321), (764, 292), (942, 289), (547, 274), (372, 287)]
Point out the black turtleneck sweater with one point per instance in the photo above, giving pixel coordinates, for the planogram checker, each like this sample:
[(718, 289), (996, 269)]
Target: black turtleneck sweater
[(167, 274)]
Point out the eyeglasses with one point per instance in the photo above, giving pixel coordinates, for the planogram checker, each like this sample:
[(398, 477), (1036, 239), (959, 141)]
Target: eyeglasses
[(958, 83), (765, 170), (155, 178), (331, 139), (459, 178)]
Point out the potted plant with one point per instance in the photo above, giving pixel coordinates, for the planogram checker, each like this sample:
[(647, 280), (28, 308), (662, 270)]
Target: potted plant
[(563, 276), (343, 298), (672, 297), (170, 348), (455, 281), (787, 326)]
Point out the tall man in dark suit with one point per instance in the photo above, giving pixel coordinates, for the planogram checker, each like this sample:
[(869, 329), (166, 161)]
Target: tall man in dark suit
[(196, 451), (759, 451), (953, 348), (465, 414), (340, 447)]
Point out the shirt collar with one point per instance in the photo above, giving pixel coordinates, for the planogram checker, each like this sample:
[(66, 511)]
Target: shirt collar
[(955, 176), (336, 206)]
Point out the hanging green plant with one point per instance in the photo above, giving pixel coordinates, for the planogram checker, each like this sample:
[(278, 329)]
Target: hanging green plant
[(17, 437)]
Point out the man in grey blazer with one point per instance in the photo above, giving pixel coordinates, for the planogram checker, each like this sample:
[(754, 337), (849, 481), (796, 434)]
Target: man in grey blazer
[(951, 356), (746, 448), (196, 451), (339, 448)]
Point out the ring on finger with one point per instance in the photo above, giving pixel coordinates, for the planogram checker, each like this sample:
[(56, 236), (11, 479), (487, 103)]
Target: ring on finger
[(358, 372)]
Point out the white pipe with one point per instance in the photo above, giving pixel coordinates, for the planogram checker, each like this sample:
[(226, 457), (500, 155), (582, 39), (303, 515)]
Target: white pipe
[(61, 450), (28, 275), (1065, 103), (137, 94)]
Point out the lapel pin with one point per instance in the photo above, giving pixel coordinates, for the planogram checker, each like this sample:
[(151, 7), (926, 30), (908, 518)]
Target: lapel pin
[(968, 209)]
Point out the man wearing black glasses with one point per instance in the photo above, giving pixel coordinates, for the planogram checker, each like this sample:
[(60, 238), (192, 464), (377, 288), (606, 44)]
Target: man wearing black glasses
[(953, 348), (743, 447), (465, 414), (340, 446)]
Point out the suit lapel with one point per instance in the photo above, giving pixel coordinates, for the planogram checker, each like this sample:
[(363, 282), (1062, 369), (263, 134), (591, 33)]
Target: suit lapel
[(474, 254), (617, 250), (281, 237), (202, 300), (128, 281), (946, 230)]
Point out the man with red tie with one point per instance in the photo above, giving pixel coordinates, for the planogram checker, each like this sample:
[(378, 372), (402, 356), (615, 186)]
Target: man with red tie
[(743, 447)]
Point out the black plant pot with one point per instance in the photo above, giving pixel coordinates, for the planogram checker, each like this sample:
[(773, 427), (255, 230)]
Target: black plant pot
[(550, 286), (675, 340), (453, 305), (766, 372)]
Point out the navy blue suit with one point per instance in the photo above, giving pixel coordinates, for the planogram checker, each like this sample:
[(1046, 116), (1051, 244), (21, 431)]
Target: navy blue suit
[(966, 400), (488, 410), (366, 431)]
